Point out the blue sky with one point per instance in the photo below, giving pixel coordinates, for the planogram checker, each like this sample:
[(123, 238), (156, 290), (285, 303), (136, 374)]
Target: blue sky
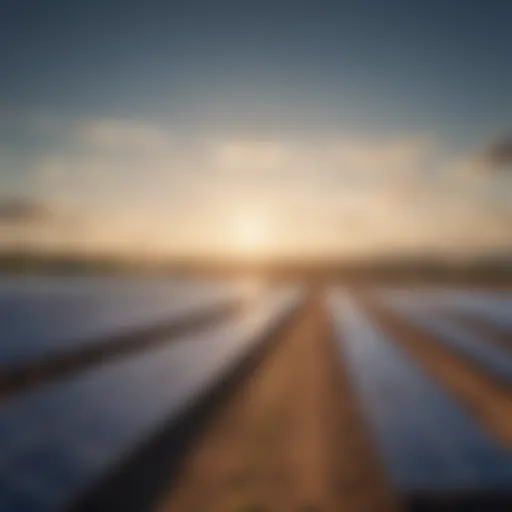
[(311, 120)]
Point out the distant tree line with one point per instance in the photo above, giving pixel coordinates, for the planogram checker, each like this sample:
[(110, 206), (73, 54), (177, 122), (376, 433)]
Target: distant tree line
[(496, 268)]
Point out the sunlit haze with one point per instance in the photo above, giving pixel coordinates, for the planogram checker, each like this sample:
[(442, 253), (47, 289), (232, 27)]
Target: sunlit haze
[(332, 129)]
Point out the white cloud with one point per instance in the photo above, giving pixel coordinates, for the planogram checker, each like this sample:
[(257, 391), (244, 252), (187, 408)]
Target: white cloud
[(345, 190), (115, 134), (339, 156)]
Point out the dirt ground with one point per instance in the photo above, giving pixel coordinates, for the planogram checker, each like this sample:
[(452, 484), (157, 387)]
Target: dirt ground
[(485, 397), (292, 438)]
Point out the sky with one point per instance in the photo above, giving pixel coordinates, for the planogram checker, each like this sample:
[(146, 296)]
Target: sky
[(257, 128)]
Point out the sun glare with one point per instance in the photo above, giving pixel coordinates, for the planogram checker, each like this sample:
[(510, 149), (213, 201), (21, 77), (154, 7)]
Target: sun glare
[(251, 234)]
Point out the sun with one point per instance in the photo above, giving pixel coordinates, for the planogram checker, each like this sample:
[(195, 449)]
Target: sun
[(251, 234)]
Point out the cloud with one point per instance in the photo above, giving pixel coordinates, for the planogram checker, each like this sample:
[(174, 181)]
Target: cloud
[(128, 177), (497, 157), (338, 153), (494, 159), (333, 160), (24, 211), (38, 224), (137, 159), (21, 212), (118, 134)]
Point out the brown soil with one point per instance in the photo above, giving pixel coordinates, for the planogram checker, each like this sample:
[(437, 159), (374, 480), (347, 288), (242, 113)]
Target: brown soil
[(292, 438), (488, 399)]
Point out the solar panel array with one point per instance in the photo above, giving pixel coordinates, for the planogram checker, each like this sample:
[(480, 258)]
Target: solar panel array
[(455, 335), (426, 439), (57, 440)]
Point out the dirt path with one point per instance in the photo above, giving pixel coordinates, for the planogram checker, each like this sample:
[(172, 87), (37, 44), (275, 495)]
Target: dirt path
[(291, 440), (485, 397)]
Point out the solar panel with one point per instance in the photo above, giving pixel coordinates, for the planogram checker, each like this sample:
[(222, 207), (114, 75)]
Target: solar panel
[(43, 318), (427, 442), (56, 441), (474, 346), (495, 306)]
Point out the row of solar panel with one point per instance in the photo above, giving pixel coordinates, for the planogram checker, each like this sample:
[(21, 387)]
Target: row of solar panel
[(425, 313), (494, 306), (40, 317)]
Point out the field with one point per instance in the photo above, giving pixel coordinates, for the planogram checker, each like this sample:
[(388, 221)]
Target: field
[(209, 395)]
